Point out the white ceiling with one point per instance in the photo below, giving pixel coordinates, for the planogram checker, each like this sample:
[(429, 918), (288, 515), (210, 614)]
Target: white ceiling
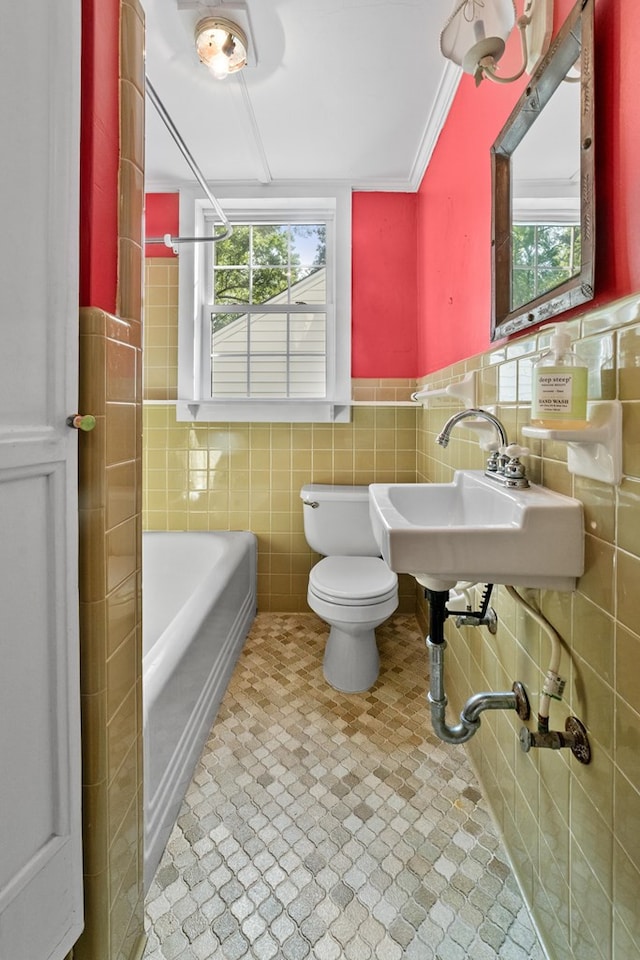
[(352, 91)]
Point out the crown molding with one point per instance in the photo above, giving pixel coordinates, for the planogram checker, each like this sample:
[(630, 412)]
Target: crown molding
[(435, 122)]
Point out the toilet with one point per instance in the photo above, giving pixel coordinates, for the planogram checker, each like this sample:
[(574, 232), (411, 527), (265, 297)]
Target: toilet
[(352, 588)]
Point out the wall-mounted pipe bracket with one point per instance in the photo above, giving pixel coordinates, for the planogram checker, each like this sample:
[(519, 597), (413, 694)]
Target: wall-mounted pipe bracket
[(473, 619), (574, 737), (522, 707), (484, 617)]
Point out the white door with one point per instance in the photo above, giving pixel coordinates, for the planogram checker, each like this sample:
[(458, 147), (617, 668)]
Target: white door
[(40, 829)]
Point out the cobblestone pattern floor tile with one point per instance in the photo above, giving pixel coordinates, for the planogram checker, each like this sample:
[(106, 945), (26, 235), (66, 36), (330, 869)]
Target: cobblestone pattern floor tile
[(324, 826)]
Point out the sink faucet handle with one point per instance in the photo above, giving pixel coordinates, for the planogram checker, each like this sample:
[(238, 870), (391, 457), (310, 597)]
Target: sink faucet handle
[(514, 451), (514, 471)]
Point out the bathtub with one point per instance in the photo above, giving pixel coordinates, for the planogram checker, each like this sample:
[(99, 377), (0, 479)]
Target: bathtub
[(198, 603)]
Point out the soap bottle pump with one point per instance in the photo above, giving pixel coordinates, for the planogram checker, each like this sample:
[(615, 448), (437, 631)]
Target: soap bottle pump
[(559, 400)]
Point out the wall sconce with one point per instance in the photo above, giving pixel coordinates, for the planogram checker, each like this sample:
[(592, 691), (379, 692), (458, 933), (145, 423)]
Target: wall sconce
[(221, 45), (476, 33)]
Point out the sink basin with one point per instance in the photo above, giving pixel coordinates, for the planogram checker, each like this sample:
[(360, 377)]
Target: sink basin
[(475, 529)]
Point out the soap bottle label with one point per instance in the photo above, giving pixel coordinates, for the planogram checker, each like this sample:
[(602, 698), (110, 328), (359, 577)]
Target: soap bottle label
[(560, 393)]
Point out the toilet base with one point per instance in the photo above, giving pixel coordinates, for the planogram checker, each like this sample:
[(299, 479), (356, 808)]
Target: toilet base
[(351, 660)]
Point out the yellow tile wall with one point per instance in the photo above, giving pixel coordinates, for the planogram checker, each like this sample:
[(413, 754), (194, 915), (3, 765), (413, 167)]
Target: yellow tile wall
[(571, 830), (222, 476), (110, 498), (160, 328)]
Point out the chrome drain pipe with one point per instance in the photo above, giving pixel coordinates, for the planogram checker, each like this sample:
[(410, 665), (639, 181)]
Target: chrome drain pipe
[(464, 730), (514, 699)]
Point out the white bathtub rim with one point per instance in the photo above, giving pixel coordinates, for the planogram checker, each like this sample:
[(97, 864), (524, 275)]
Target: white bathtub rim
[(169, 648), (221, 542)]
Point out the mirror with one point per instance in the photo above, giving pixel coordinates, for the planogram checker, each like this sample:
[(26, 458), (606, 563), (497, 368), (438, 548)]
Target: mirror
[(542, 167)]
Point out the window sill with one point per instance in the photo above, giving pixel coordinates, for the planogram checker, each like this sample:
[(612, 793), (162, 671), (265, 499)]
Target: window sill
[(263, 411)]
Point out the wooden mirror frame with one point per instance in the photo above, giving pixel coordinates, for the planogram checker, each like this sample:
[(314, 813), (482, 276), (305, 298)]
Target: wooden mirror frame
[(574, 40)]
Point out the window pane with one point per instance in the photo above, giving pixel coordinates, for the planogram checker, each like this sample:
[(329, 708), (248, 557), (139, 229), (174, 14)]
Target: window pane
[(234, 251), (524, 245), (544, 256), (307, 377), (310, 288), (229, 332), (308, 244), (524, 286), (268, 355), (229, 376), (270, 245), (554, 245), (308, 333), (269, 333), (231, 286), (268, 283), (550, 277), (268, 376)]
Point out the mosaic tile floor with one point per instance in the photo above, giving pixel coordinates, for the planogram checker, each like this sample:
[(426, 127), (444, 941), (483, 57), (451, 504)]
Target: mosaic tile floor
[(322, 825)]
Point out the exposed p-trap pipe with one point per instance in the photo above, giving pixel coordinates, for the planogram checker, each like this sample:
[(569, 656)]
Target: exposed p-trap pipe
[(514, 699)]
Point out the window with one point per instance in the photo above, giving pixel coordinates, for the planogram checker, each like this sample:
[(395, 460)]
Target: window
[(264, 318)]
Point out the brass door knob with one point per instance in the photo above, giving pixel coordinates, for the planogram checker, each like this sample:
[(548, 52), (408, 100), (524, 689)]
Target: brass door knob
[(80, 421)]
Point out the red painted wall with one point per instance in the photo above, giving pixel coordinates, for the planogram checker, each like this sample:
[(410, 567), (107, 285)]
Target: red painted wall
[(421, 296), (454, 228), (617, 33), (454, 205), (384, 329), (99, 153), (161, 215), (384, 294)]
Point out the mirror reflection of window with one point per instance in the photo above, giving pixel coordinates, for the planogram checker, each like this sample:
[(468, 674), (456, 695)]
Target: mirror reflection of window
[(545, 204), (544, 255)]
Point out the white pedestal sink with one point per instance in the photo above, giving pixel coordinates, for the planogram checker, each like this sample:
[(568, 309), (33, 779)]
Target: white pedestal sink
[(475, 529)]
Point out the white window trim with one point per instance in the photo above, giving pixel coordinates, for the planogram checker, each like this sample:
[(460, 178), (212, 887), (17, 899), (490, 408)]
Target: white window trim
[(191, 406)]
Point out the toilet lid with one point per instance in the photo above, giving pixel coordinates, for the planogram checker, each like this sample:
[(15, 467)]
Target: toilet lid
[(353, 579)]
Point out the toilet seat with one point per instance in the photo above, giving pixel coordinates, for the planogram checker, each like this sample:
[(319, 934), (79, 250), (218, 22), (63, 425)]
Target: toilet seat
[(353, 581)]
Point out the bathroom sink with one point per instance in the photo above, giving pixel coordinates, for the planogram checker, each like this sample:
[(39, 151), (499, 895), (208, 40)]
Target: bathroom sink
[(475, 529)]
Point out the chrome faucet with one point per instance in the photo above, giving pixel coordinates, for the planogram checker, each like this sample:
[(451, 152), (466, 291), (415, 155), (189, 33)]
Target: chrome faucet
[(445, 434), (503, 464)]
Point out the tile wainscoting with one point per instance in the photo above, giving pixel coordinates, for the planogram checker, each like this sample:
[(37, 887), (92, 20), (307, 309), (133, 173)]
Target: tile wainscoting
[(569, 829)]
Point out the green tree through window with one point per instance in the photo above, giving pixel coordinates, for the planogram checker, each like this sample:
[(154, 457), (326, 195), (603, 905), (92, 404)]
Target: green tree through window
[(544, 256), (261, 261)]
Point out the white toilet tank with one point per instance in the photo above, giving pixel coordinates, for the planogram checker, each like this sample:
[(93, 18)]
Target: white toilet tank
[(339, 525)]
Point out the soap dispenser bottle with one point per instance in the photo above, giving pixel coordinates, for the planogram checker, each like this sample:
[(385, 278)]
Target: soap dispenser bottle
[(559, 400)]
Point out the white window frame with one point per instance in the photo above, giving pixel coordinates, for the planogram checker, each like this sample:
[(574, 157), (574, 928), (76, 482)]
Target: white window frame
[(313, 203)]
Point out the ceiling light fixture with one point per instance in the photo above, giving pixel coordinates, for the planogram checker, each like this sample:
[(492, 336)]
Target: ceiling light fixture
[(476, 33), (221, 45)]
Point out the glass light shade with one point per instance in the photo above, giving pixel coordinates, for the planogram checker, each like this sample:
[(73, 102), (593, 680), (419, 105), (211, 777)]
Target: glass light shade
[(221, 45), (477, 29)]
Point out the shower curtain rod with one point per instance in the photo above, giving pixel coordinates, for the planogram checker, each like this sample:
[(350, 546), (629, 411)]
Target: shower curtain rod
[(167, 239)]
